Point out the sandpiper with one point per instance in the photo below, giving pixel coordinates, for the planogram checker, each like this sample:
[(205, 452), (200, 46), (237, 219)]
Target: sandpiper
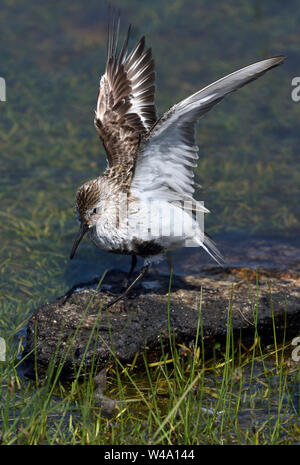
[(145, 196)]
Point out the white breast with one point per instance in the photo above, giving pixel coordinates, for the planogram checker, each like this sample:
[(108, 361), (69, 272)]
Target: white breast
[(168, 224)]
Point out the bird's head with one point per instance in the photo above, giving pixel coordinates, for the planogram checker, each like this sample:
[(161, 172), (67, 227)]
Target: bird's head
[(88, 211)]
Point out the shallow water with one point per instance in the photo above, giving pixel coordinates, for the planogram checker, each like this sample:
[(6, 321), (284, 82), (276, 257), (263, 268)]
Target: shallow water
[(52, 56)]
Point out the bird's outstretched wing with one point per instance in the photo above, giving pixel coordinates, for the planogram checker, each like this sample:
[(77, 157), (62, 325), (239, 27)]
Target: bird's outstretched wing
[(164, 164), (125, 105)]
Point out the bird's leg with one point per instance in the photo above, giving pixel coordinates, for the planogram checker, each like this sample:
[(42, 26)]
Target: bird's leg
[(170, 261), (137, 279), (127, 279), (129, 274), (132, 268)]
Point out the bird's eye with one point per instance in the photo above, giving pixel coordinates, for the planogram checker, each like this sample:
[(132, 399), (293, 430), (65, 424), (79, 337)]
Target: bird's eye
[(95, 210)]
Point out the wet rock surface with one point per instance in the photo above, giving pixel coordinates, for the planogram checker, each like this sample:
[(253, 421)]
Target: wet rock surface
[(76, 330)]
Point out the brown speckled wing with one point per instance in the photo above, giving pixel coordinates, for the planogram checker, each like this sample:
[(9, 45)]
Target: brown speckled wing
[(125, 106)]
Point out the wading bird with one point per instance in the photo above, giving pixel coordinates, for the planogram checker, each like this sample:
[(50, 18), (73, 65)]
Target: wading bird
[(143, 204)]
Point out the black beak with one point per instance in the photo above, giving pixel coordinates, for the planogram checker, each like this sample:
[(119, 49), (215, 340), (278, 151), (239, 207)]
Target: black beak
[(82, 230)]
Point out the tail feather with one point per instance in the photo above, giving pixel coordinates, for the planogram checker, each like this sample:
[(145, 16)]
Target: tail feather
[(210, 247)]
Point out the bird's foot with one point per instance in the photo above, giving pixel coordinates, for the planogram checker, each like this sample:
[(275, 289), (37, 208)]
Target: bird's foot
[(134, 282)]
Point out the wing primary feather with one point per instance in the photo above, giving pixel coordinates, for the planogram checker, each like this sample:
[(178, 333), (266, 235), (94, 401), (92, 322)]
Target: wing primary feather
[(125, 109), (116, 36), (124, 49)]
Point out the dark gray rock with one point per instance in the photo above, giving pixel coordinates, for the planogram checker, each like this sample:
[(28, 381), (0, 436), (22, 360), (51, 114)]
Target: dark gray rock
[(75, 330)]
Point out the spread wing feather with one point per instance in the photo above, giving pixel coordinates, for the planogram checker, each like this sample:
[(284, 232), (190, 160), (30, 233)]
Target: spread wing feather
[(125, 108), (164, 165)]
